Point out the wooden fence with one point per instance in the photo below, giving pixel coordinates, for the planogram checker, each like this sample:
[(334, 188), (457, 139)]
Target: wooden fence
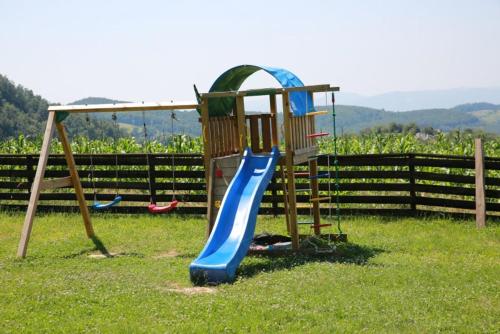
[(395, 184)]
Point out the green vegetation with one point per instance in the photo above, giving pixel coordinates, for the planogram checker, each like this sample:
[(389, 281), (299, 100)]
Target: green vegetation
[(369, 142), (23, 112), (351, 119), (483, 116), (372, 142), (396, 276)]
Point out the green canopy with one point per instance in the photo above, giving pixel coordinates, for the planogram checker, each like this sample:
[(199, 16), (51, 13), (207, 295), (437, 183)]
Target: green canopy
[(232, 79)]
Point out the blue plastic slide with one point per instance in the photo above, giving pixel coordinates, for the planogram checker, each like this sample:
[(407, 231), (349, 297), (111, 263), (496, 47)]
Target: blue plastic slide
[(235, 223)]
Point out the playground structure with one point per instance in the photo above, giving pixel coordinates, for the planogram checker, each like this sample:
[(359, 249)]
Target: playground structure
[(240, 155), (225, 138)]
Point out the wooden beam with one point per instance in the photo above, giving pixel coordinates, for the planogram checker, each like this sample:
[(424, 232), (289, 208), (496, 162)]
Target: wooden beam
[(56, 183), (254, 134), (274, 120), (292, 200), (285, 195), (37, 182), (70, 161), (272, 91), (313, 170), (480, 188), (242, 128), (207, 160), (266, 132), (210, 200), (119, 107), (317, 113), (205, 133)]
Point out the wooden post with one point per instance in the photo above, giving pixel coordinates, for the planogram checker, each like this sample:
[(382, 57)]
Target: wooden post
[(70, 160), (285, 196), (274, 193), (207, 157), (152, 175), (274, 120), (313, 171), (292, 200), (30, 172), (242, 128), (205, 132), (35, 191), (480, 189), (210, 200), (413, 195)]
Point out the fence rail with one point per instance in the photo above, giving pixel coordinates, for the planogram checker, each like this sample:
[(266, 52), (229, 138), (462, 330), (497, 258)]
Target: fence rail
[(396, 184)]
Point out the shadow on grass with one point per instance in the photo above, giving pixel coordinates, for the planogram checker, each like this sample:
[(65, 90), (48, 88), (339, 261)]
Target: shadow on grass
[(101, 248), (344, 253)]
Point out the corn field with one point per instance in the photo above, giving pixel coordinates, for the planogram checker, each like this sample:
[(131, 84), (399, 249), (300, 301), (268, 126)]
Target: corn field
[(454, 143)]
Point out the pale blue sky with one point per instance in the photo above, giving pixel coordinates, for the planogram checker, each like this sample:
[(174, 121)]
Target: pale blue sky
[(156, 50)]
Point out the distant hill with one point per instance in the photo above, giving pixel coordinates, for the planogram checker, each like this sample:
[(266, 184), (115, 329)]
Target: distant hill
[(23, 112), (158, 123), (351, 119), (484, 116), (417, 100), (96, 100)]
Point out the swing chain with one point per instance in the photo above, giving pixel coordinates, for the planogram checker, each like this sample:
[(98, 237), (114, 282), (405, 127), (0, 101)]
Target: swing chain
[(336, 164), (145, 129), (92, 167), (115, 139), (173, 118)]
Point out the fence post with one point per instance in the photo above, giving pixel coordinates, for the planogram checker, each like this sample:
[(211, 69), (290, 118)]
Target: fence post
[(411, 169), (152, 175), (274, 193), (480, 191), (29, 171)]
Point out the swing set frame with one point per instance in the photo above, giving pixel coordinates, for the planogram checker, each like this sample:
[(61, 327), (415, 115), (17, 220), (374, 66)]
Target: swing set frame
[(299, 140), (55, 119)]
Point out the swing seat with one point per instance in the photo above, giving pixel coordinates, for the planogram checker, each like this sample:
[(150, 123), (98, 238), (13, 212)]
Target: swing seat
[(103, 206), (153, 208)]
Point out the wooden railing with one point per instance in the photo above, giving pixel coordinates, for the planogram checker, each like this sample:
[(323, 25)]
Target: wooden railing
[(302, 126), (260, 132), (223, 136), (371, 184)]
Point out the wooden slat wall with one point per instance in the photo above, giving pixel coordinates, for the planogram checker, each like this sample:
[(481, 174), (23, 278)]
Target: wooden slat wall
[(368, 183), (302, 126), (223, 135)]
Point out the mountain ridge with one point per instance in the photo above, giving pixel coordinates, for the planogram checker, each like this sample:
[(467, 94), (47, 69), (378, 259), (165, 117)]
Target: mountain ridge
[(22, 111)]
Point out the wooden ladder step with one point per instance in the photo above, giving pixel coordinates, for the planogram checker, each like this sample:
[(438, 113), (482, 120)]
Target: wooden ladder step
[(306, 222), (320, 225), (316, 135), (319, 199), (56, 183), (317, 113), (319, 176)]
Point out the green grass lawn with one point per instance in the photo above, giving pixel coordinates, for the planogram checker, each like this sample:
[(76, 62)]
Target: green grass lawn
[(396, 275)]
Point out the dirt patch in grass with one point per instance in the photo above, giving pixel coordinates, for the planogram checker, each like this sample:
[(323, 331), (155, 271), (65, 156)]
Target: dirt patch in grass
[(99, 255), (189, 291), (168, 254)]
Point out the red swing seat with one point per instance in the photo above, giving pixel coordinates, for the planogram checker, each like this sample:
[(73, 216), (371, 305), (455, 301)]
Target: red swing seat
[(153, 208)]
